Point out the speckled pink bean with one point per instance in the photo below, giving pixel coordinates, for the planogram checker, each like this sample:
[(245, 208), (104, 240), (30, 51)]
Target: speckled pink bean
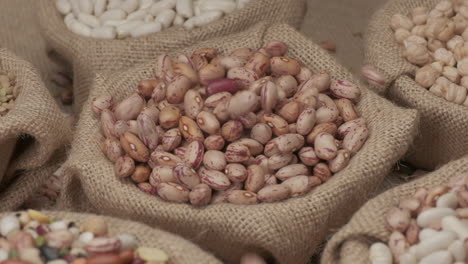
[(325, 146)]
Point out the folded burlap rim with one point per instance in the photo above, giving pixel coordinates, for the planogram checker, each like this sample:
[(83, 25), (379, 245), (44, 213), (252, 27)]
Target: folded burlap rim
[(180, 251), (351, 243)]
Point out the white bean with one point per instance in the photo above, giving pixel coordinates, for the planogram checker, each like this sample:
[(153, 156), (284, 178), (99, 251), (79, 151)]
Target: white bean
[(185, 8), (149, 18), (86, 6), (203, 19), (440, 241), (432, 215), (68, 19), (448, 200), (452, 223), (105, 32), (89, 20), (63, 6), (114, 4), (75, 5), (79, 28), (166, 17), (379, 253), (114, 23), (144, 4), (124, 30), (161, 6), (439, 257), (146, 29), (129, 5), (457, 248), (178, 20), (99, 7), (114, 14), (408, 258), (226, 6), (137, 15), (427, 233)]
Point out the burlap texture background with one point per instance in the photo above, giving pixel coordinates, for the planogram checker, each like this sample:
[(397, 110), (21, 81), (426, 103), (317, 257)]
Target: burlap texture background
[(289, 230), (444, 125), (89, 56), (351, 244), (180, 251), (36, 114)]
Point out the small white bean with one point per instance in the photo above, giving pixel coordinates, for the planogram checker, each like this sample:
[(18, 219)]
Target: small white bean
[(68, 19), (457, 248), (124, 30), (144, 4), (137, 15), (114, 4), (79, 28), (452, 223), (63, 6), (114, 14), (432, 215), (89, 20), (148, 18), (99, 7), (146, 29), (105, 32), (166, 17), (86, 6), (178, 20), (203, 19), (448, 200), (184, 8), (226, 6), (114, 23), (129, 5), (427, 233), (439, 257), (379, 253), (440, 241), (408, 258), (75, 5), (161, 6)]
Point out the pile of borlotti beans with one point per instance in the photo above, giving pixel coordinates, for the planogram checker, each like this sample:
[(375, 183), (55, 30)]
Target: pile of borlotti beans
[(436, 40), (8, 93), (429, 227), (110, 19), (253, 126), (32, 237)]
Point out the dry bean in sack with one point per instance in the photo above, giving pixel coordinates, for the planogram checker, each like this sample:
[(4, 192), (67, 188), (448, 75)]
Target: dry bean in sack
[(231, 230), (35, 121), (150, 244), (444, 125), (89, 56), (352, 242)]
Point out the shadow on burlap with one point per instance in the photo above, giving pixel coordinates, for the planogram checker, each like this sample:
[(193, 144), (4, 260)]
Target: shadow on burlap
[(35, 115), (444, 125), (90, 56), (180, 251), (351, 244), (290, 230)]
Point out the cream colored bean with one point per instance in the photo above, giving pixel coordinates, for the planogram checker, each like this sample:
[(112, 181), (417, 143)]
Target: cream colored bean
[(63, 6), (129, 108), (160, 6), (274, 193), (138, 15), (354, 140), (340, 161), (346, 109), (291, 171), (434, 214), (427, 233), (186, 176), (452, 223), (242, 103), (214, 160), (114, 14), (278, 125), (440, 257), (162, 173), (291, 111), (200, 195), (327, 111), (448, 200), (457, 249), (306, 121), (440, 241), (164, 158), (215, 179), (165, 17), (99, 7), (298, 185), (185, 8), (79, 28), (226, 6), (279, 161), (147, 130), (146, 29), (193, 103), (130, 6), (242, 197), (86, 6), (173, 192), (203, 19), (261, 132), (255, 178), (208, 122), (105, 32), (379, 253), (325, 146)]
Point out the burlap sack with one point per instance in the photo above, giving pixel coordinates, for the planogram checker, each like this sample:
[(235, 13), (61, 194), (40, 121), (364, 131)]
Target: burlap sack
[(444, 125), (89, 56), (290, 230), (35, 115), (351, 243), (180, 251)]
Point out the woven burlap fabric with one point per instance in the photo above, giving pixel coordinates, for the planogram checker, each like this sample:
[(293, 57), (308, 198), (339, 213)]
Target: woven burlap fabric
[(36, 115), (179, 250), (351, 243), (89, 56), (444, 125), (290, 230)]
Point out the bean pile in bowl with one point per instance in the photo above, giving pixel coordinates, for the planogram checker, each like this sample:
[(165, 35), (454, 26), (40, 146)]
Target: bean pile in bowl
[(248, 127)]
